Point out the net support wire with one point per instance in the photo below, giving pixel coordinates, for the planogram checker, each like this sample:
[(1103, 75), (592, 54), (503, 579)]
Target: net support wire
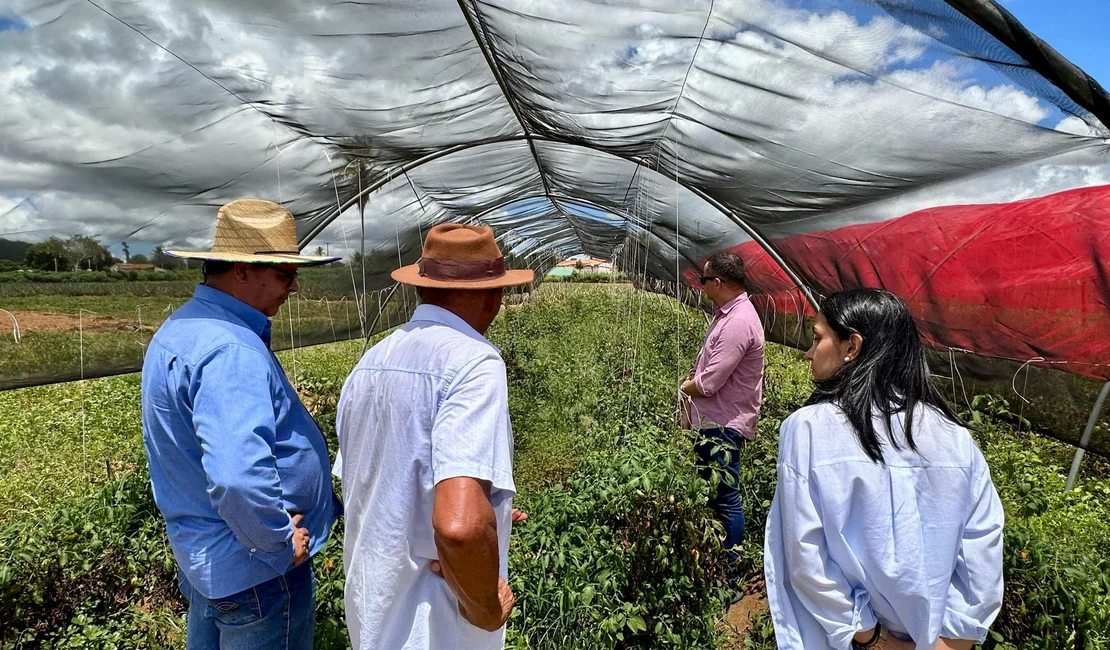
[(1085, 440), (530, 138), (15, 326)]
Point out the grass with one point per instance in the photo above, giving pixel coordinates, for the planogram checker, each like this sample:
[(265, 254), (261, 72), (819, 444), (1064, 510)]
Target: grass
[(52, 450), (68, 333)]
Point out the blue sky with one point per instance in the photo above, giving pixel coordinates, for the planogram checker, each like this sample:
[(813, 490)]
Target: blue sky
[(1078, 29)]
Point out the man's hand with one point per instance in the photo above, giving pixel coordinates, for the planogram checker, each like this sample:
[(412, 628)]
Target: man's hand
[(300, 541), (684, 420), (690, 388), (504, 596), (519, 516), (891, 642)]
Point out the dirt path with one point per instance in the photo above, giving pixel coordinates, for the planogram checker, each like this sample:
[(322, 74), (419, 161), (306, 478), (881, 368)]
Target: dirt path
[(738, 619), (37, 321)]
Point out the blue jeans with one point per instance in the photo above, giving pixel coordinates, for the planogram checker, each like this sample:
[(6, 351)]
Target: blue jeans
[(726, 503), (279, 614)]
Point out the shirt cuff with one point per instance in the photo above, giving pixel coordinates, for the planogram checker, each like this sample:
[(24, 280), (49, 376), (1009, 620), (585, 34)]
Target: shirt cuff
[(862, 619), (701, 387), (499, 480), (961, 626), (281, 561)]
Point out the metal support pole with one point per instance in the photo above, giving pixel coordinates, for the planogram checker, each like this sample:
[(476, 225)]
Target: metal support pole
[(1086, 439)]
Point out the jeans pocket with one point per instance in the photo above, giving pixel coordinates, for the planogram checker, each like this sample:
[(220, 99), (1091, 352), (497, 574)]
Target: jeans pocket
[(239, 609)]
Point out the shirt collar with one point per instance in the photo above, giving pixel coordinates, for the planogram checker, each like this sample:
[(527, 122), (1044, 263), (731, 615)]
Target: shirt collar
[(254, 319), (438, 314), (728, 306)]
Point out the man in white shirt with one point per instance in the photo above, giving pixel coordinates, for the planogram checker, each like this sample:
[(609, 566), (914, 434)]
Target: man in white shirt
[(426, 453)]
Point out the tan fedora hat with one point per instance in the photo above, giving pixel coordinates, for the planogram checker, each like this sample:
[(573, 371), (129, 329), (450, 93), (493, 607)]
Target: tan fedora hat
[(254, 231), (461, 257)]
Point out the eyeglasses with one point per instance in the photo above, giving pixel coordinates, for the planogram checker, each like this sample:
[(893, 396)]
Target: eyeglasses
[(290, 275), (704, 279)]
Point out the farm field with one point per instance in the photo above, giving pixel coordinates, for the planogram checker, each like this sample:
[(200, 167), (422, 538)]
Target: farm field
[(70, 330), (618, 552)]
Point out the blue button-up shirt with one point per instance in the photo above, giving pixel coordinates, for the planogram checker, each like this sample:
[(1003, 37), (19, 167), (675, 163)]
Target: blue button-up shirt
[(232, 450)]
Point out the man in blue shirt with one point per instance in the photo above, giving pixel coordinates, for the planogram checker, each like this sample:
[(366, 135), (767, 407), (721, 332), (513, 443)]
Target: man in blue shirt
[(239, 468)]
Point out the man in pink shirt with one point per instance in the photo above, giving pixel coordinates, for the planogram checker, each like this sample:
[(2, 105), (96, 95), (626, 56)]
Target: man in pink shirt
[(726, 385)]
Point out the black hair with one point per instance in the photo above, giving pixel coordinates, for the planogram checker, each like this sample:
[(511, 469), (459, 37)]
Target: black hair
[(889, 374), (728, 266), (214, 267)]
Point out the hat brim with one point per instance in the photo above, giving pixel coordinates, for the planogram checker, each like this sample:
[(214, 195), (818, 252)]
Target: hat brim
[(255, 258), (410, 275)]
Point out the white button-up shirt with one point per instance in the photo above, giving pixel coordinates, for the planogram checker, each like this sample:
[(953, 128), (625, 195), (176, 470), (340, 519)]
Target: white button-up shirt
[(427, 403), (915, 543)]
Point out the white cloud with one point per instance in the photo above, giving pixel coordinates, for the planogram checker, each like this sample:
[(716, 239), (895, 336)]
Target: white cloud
[(109, 133)]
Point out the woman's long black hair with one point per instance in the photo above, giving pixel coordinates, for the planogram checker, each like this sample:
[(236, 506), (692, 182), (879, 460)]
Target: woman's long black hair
[(890, 373)]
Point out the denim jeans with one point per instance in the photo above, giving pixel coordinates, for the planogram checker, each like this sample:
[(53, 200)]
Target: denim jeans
[(726, 502), (279, 614)]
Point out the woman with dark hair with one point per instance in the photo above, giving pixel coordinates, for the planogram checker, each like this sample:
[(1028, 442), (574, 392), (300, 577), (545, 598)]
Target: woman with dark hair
[(885, 530)]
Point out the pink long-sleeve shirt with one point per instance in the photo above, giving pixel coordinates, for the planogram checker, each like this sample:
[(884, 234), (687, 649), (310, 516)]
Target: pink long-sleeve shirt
[(729, 370)]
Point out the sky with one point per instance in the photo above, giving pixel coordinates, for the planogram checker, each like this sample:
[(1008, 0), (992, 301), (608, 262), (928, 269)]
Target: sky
[(111, 132), (1078, 29)]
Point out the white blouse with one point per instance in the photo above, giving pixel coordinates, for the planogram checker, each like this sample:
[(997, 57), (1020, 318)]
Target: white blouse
[(915, 544)]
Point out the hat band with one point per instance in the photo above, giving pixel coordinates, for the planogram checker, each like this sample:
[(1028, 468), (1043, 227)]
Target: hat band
[(277, 252), (459, 271)]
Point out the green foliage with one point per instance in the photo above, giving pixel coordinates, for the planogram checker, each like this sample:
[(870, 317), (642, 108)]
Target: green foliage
[(159, 258), (1057, 543), (53, 451), (619, 550), (589, 278), (49, 255), (77, 252), (615, 507), (624, 555), (97, 574), (82, 277), (13, 250)]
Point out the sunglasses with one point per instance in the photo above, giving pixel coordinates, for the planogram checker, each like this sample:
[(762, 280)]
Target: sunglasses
[(704, 279), (291, 276)]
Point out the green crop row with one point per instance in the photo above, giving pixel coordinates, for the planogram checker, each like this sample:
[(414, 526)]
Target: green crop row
[(618, 552)]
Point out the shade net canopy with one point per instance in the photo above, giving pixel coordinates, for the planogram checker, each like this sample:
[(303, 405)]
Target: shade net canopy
[(932, 147)]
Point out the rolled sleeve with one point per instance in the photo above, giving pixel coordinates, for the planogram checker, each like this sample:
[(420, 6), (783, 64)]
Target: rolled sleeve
[(236, 428), (471, 435), (818, 582), (723, 353), (975, 592)]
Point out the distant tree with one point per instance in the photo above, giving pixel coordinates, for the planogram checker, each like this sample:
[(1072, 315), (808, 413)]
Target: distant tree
[(138, 258), (50, 255), (319, 251), (579, 265), (86, 252), (14, 250), (126, 253), (159, 258), (8, 265)]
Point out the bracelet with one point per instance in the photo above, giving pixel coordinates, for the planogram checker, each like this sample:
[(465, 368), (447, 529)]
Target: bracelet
[(872, 642)]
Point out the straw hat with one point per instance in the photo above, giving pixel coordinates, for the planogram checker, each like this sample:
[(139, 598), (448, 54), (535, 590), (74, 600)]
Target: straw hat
[(254, 231), (461, 257)]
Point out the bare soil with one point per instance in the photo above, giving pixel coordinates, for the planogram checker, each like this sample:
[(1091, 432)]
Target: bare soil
[(37, 321), (738, 619)]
